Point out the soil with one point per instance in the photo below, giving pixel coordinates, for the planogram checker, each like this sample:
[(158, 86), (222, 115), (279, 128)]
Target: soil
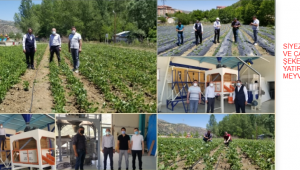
[(214, 47), (262, 51), (201, 164), (234, 48), (18, 100), (246, 162), (93, 93), (223, 164)]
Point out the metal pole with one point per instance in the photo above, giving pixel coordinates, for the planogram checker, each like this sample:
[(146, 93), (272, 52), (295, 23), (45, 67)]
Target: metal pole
[(99, 128), (59, 127)]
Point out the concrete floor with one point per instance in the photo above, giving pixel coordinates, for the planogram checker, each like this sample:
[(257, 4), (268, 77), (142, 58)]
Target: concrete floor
[(267, 107), (149, 162)]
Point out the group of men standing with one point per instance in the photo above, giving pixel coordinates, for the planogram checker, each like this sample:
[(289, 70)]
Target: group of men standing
[(198, 28), (125, 145), (240, 97), (74, 46)]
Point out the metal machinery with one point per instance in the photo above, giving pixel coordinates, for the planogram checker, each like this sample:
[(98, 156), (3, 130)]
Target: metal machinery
[(179, 78), (223, 79), (92, 121)]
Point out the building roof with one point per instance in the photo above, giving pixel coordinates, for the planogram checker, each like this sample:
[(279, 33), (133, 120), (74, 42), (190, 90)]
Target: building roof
[(221, 6), (163, 6)]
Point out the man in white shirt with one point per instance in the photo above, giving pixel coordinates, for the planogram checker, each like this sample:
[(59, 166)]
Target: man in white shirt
[(29, 48), (2, 136), (75, 44), (217, 26), (137, 148), (108, 148), (240, 97), (210, 97), (198, 28), (55, 45), (255, 28)]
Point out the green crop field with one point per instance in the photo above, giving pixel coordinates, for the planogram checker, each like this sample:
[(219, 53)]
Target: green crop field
[(110, 80), (192, 153)]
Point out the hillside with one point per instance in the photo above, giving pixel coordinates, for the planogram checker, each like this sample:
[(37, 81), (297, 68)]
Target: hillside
[(166, 128), (7, 27)]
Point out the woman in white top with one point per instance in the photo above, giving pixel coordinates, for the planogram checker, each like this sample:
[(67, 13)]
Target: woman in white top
[(194, 97)]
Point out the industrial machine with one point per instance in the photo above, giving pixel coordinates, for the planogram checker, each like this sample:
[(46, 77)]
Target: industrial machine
[(91, 140)]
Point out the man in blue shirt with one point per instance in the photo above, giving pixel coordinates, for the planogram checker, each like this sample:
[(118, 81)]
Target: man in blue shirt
[(180, 29), (207, 137)]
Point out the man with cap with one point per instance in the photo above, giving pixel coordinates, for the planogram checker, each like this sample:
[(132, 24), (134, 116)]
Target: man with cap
[(108, 148), (79, 147), (240, 97), (255, 28), (198, 28), (235, 28), (207, 137), (2, 136), (29, 48), (217, 26)]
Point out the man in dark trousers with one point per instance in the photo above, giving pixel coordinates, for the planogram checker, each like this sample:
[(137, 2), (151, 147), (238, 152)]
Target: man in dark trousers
[(79, 147), (210, 97), (217, 26), (29, 48), (108, 148), (235, 28), (198, 28), (124, 147), (240, 97), (137, 148), (2, 137), (207, 137), (55, 45)]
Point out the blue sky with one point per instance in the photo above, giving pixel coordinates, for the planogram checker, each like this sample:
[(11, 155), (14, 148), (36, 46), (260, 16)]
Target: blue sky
[(198, 120), (190, 5), (10, 7)]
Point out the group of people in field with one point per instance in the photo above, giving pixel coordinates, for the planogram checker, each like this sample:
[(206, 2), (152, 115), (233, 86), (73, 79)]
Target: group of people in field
[(240, 97), (208, 137), (198, 29), (74, 46)]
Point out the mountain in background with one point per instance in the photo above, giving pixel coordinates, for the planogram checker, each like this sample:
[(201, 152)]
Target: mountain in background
[(7, 27), (166, 128)]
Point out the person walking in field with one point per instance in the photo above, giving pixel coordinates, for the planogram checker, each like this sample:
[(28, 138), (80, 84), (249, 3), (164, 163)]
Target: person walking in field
[(210, 97), (235, 28), (124, 147), (194, 97), (217, 26), (179, 30), (207, 137), (55, 45), (227, 139), (198, 28), (29, 48), (75, 44), (255, 28), (240, 97)]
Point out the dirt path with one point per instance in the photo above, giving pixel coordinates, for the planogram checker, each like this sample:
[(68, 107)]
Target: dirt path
[(93, 93), (223, 164), (214, 47), (201, 165), (191, 49), (18, 100), (262, 51), (245, 161), (234, 48)]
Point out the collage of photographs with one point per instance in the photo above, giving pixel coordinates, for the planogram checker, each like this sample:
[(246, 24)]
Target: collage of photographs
[(137, 84)]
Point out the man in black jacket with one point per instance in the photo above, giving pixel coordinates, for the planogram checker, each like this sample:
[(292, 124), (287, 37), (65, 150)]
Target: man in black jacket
[(198, 28), (240, 97)]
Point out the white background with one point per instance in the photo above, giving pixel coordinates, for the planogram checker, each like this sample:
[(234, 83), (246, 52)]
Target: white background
[(287, 91)]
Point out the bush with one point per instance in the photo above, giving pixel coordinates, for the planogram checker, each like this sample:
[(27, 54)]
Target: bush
[(162, 19)]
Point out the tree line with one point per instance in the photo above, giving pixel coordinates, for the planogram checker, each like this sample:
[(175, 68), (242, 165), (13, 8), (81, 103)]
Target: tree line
[(243, 125), (92, 18), (243, 10)]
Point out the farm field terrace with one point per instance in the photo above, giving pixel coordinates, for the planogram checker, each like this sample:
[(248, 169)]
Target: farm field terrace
[(110, 80), (167, 42), (194, 153)]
